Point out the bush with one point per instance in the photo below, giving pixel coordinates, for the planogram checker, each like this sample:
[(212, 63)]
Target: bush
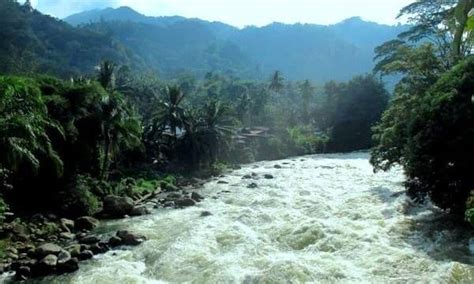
[(78, 200)]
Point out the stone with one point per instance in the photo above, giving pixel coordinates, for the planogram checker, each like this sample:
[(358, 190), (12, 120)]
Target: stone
[(69, 266), (67, 225), (63, 257), (222, 182), (196, 197), (252, 185), (277, 166), (74, 250), (247, 177), (89, 240), (86, 223), (85, 255), (67, 236), (47, 249), (185, 202), (140, 211), (206, 214), (268, 176), (117, 207), (46, 266), (173, 196), (22, 273), (98, 248), (130, 239), (115, 241)]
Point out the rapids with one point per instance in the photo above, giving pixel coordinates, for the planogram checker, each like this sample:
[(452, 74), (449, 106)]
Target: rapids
[(323, 218)]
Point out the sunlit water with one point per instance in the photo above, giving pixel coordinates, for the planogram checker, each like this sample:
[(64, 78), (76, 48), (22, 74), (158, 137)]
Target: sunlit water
[(322, 219)]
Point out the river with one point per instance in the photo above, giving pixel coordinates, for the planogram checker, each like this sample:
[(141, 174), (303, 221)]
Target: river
[(323, 218)]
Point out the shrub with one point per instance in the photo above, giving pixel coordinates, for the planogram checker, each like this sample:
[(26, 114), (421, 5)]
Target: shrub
[(78, 200)]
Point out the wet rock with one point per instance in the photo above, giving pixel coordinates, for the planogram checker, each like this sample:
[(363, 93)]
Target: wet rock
[(69, 266), (47, 249), (115, 241), (222, 182), (74, 250), (173, 196), (247, 177), (130, 239), (206, 214), (196, 197), (277, 166), (11, 256), (117, 207), (46, 265), (168, 204), (63, 257), (22, 273), (66, 224), (140, 211), (185, 202), (86, 223), (252, 185), (92, 239), (67, 236), (98, 248), (268, 176), (85, 255)]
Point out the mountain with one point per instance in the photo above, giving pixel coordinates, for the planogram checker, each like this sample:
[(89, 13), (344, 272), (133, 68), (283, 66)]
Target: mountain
[(36, 43), (172, 45)]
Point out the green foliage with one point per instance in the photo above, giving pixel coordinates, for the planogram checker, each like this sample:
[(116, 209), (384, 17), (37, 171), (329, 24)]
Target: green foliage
[(305, 141), (78, 199), (431, 136)]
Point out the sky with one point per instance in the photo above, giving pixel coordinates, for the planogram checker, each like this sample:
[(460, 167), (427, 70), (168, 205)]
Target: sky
[(242, 13)]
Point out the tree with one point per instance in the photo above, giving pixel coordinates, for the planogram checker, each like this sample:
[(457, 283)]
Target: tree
[(307, 91), (276, 82), (106, 75)]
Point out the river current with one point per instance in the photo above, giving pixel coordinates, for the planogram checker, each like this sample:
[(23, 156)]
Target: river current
[(323, 219)]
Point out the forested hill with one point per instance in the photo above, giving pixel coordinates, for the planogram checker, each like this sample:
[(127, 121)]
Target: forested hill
[(32, 42), (300, 51)]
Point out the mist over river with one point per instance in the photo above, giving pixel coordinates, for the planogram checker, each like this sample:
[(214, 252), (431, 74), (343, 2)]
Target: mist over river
[(323, 218)]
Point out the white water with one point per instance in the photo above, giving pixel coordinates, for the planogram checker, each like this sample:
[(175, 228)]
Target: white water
[(322, 219)]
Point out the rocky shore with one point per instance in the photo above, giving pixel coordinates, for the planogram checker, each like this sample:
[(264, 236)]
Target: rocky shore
[(47, 244)]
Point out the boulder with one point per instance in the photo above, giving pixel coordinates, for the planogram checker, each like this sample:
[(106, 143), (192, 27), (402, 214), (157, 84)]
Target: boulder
[(66, 224), (89, 240), (206, 214), (85, 255), (63, 257), (22, 273), (268, 176), (140, 211), (115, 241), (67, 236), (74, 250), (196, 197), (184, 202), (222, 182), (277, 166), (247, 177), (117, 207), (130, 239), (252, 185), (86, 223), (69, 266), (46, 265), (47, 249)]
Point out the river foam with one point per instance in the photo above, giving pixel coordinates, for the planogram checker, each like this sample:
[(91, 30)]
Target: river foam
[(323, 218)]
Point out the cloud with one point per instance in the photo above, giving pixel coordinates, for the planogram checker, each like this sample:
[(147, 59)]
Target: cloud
[(64, 8)]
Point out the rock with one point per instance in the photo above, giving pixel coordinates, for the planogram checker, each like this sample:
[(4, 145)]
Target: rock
[(252, 185), (23, 273), (11, 256), (196, 197), (22, 237), (67, 236), (168, 204), (277, 166), (140, 211), (63, 257), (66, 224), (206, 214), (85, 255), (46, 265), (115, 241), (185, 202), (89, 240), (268, 176), (52, 217), (74, 250), (130, 239), (117, 207), (86, 223), (19, 229), (69, 266), (47, 249), (11, 250), (247, 177), (222, 182), (173, 196), (98, 248)]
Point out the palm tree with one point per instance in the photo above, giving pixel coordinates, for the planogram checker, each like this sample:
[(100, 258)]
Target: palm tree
[(215, 127), (106, 75), (24, 127), (276, 82), (169, 113), (120, 127)]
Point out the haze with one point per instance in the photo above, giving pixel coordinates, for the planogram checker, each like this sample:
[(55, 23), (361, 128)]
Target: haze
[(241, 13)]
